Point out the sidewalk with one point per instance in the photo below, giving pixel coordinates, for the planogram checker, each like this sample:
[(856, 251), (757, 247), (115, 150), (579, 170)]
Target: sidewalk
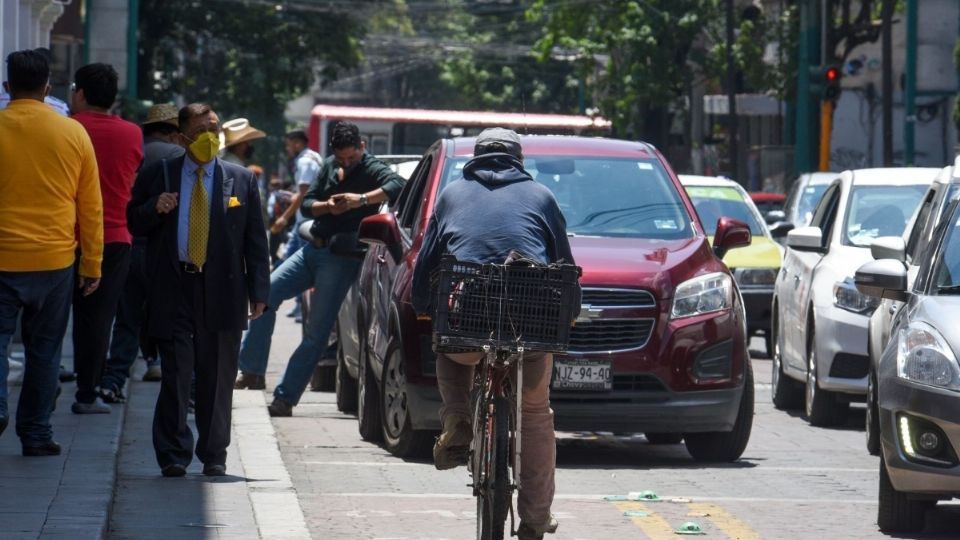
[(106, 483)]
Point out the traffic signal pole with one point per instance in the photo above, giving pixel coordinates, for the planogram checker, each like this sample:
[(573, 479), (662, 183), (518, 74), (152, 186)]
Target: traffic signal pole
[(826, 132), (910, 86)]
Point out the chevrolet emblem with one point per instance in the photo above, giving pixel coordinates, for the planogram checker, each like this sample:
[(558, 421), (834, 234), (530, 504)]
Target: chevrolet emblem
[(588, 313)]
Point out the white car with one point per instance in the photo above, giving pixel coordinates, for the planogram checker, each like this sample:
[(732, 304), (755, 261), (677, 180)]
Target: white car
[(820, 319)]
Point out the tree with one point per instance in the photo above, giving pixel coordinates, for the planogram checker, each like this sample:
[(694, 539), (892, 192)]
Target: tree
[(246, 58), (633, 54)]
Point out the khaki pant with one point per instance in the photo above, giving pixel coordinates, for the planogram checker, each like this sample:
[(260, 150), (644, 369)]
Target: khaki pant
[(538, 457)]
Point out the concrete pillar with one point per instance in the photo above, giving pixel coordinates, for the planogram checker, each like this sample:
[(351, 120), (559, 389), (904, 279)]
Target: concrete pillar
[(108, 35), (47, 16)]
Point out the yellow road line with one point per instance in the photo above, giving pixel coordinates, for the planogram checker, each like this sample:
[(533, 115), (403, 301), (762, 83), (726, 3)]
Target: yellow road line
[(731, 526), (654, 526)]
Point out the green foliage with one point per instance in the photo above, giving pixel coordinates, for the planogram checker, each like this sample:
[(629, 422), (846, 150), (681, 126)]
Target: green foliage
[(245, 58), (634, 54)]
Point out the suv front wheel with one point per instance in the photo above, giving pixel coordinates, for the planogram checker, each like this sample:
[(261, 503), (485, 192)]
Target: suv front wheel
[(723, 446)]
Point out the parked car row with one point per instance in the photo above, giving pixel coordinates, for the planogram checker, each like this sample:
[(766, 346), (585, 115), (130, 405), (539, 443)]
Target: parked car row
[(914, 375)]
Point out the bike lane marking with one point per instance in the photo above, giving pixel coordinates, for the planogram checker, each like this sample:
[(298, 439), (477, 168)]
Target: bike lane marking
[(726, 522), (652, 525)]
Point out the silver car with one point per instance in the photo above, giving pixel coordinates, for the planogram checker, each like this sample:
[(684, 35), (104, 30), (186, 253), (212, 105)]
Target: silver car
[(918, 379), (906, 248)]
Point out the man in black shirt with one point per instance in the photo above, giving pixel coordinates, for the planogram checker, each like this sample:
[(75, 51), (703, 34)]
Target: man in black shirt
[(350, 186)]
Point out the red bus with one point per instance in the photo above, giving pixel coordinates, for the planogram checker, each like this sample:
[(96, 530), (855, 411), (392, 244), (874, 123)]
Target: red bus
[(412, 131)]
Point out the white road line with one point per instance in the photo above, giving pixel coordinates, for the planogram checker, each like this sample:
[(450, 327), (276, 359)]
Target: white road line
[(596, 497), (274, 500)]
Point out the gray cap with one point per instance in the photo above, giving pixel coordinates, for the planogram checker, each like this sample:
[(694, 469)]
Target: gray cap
[(507, 138)]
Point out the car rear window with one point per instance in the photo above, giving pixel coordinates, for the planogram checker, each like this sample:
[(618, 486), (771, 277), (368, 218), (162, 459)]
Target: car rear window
[(876, 211), (609, 197), (712, 202)]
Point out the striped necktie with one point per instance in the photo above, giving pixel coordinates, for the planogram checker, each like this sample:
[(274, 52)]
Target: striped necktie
[(199, 222)]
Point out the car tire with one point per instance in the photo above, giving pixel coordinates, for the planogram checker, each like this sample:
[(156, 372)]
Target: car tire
[(726, 446), (399, 437), (897, 512), (873, 416), (346, 386), (368, 403), (786, 393), (821, 407), (664, 438)]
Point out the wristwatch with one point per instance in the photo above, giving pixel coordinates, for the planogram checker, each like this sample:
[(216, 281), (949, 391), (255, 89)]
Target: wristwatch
[(363, 199)]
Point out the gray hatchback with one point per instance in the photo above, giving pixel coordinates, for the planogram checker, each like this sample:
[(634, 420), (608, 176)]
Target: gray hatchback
[(918, 379)]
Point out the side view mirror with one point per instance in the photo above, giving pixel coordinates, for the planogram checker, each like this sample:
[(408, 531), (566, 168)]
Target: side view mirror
[(774, 216), (806, 239), (781, 228), (884, 278), (889, 247), (731, 233), (382, 229)]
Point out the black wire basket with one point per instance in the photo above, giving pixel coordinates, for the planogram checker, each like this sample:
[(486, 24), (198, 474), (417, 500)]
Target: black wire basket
[(504, 306)]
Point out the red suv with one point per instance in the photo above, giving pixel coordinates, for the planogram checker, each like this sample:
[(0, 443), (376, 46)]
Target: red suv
[(660, 346)]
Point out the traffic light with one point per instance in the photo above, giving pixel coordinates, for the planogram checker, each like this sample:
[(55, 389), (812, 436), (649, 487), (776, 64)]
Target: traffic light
[(831, 83), (825, 82)]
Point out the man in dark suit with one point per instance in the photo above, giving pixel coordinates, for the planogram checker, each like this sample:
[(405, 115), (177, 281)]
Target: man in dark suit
[(207, 258)]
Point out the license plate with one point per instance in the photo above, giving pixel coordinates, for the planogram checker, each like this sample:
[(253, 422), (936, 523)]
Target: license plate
[(582, 374)]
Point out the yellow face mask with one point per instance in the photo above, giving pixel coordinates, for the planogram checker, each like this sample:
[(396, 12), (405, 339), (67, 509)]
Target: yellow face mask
[(205, 147)]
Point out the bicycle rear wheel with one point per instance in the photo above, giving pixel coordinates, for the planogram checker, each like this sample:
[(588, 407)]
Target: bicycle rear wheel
[(493, 499)]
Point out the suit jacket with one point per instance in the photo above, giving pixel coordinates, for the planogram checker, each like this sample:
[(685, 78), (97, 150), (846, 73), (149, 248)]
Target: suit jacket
[(238, 263)]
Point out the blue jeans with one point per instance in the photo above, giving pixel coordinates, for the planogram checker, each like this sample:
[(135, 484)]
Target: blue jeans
[(331, 277), (45, 299)]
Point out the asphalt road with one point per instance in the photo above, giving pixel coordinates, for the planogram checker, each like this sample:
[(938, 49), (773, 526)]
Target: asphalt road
[(794, 481)]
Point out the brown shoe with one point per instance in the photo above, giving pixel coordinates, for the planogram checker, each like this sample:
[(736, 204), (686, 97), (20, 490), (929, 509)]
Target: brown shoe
[(249, 381), (280, 407), (536, 532), (452, 448)]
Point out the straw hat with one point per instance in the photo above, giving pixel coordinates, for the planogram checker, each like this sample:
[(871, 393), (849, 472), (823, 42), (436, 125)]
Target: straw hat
[(239, 130), (166, 113)]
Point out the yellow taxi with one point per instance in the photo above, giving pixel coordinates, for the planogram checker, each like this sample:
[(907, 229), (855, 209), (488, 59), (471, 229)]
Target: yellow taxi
[(756, 266)]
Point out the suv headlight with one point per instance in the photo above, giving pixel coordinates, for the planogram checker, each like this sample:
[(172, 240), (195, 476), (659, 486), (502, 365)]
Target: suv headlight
[(923, 356), (703, 294), (756, 277), (846, 296)]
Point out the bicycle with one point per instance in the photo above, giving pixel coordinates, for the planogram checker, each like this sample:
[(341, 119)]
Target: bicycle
[(503, 310)]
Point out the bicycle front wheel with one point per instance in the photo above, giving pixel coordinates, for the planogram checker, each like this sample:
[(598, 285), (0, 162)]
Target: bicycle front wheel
[(493, 500)]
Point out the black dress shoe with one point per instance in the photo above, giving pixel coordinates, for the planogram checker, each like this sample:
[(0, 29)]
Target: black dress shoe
[(48, 448), (173, 470), (214, 469), (4, 420), (280, 407), (67, 376)]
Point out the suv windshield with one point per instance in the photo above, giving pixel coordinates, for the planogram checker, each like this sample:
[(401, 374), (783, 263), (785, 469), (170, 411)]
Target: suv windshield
[(602, 196), (876, 211), (713, 202)]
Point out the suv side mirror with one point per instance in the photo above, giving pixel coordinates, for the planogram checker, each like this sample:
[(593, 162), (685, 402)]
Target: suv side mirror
[(774, 216), (885, 278), (382, 229), (806, 239), (889, 247), (731, 233)]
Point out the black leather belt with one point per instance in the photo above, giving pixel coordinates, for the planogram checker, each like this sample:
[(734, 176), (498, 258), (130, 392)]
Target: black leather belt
[(191, 268)]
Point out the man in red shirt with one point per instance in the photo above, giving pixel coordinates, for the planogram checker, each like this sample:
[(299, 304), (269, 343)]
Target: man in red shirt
[(119, 148)]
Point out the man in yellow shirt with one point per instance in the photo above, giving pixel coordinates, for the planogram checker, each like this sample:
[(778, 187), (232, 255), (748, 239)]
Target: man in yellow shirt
[(49, 199)]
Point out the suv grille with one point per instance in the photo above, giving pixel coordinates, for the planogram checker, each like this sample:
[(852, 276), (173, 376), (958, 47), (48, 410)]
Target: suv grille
[(618, 298), (599, 335)]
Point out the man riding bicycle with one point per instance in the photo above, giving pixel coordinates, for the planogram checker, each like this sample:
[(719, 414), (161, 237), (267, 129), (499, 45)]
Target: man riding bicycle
[(495, 209)]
